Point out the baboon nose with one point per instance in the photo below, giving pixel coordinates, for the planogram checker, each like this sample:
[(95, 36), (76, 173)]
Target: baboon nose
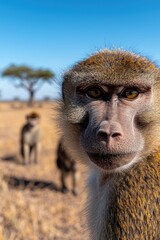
[(108, 131), (102, 135)]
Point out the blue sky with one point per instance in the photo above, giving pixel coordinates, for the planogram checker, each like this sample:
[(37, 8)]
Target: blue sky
[(56, 34)]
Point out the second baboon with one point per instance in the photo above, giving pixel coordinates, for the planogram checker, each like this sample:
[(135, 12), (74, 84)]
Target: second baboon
[(111, 119), (68, 167), (30, 139)]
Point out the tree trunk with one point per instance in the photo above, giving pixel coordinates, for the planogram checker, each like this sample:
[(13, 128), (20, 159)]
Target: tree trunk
[(31, 98)]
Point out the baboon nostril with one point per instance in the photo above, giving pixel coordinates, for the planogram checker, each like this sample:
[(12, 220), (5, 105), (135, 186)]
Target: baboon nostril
[(116, 135), (103, 134)]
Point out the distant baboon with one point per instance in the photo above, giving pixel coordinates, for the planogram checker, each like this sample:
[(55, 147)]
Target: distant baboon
[(67, 167), (110, 116), (30, 139)]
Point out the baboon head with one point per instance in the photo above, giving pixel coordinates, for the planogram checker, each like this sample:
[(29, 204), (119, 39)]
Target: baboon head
[(33, 119), (111, 109)]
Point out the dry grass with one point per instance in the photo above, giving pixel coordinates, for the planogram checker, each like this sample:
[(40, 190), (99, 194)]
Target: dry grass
[(41, 212)]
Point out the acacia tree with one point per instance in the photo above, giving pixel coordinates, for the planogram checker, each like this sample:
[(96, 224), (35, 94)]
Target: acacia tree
[(28, 78)]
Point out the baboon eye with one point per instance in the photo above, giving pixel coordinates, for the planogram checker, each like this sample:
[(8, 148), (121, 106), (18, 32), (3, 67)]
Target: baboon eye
[(94, 92), (129, 93)]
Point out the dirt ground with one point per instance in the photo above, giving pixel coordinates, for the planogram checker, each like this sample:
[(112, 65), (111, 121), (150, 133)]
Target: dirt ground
[(31, 205)]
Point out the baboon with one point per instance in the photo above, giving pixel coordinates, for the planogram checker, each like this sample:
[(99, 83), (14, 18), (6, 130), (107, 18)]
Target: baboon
[(68, 167), (110, 116), (30, 139)]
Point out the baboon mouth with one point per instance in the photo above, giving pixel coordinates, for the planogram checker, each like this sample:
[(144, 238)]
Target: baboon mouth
[(113, 160)]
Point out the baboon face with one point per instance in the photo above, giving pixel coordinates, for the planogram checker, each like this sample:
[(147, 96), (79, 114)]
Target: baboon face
[(110, 133), (33, 119), (104, 99)]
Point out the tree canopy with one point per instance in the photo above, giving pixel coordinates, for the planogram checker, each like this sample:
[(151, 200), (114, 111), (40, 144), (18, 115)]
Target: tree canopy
[(28, 78)]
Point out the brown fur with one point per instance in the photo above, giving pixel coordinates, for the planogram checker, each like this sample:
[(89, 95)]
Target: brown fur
[(108, 66)]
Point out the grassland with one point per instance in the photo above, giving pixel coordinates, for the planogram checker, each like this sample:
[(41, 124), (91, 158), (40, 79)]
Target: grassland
[(35, 209)]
